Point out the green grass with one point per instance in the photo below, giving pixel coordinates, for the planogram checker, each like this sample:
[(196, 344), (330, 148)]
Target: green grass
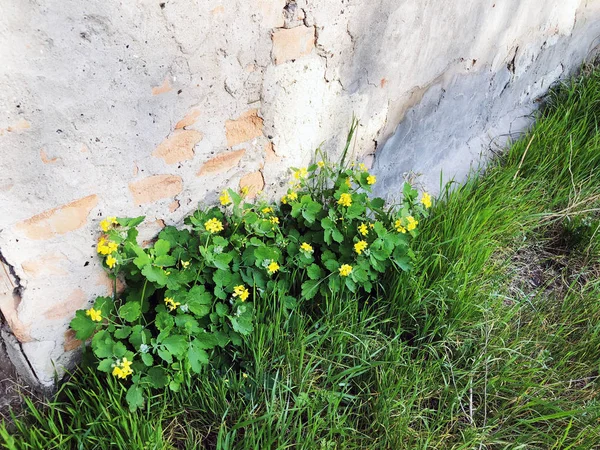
[(491, 342)]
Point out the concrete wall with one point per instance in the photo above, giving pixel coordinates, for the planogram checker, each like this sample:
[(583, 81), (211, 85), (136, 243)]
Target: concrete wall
[(149, 107)]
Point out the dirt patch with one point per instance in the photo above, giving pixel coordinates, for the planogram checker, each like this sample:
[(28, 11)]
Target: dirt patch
[(10, 385)]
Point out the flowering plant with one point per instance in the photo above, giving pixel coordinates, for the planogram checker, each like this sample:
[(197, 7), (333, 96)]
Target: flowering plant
[(190, 296)]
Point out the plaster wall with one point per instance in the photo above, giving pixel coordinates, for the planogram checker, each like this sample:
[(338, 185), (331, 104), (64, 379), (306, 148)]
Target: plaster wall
[(150, 107)]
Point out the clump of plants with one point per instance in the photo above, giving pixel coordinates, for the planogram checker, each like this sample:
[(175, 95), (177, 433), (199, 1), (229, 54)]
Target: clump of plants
[(190, 297)]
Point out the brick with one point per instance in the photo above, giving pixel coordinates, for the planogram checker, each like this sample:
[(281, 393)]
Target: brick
[(179, 146), (221, 163), (246, 127), (293, 43), (174, 206), (189, 119), (57, 221), (254, 182), (154, 188)]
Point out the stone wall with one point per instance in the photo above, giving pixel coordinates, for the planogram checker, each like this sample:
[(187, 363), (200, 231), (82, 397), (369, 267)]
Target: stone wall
[(150, 107)]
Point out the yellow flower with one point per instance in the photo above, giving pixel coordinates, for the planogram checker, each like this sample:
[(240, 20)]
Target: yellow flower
[(241, 292), (321, 164), (412, 223), (292, 196), (94, 314), (185, 264), (360, 246), (345, 200), (345, 270), (426, 200), (267, 210), (274, 220), (301, 173), (245, 375), (371, 226), (225, 199), (363, 167), (371, 179), (399, 227), (306, 247), (122, 369), (111, 261), (107, 223), (106, 247), (348, 182), (273, 267), (362, 229), (171, 303), (244, 191), (213, 225), (284, 200)]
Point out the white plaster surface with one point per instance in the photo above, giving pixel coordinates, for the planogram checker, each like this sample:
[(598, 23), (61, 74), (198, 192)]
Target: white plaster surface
[(89, 90)]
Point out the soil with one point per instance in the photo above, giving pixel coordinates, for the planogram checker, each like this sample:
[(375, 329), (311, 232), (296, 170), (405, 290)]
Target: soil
[(10, 385)]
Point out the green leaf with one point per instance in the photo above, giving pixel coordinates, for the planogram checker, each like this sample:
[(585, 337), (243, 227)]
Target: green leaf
[(165, 355), (130, 311), (102, 344), (377, 203), (139, 336), (206, 340), (147, 359), (404, 263), (84, 326), (157, 377), (161, 247), (130, 221), (250, 218), (222, 277), (331, 265), (142, 257), (221, 309), (135, 397), (164, 321), (222, 261), (314, 272), (164, 261), (289, 302), (176, 344), (105, 365), (199, 301), (155, 275), (327, 223), (119, 349), (187, 323), (310, 289), (337, 236), (197, 357), (123, 332)]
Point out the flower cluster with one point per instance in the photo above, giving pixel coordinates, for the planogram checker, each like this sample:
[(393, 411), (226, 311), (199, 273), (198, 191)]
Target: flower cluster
[(94, 314), (122, 369), (190, 297), (213, 225), (171, 303)]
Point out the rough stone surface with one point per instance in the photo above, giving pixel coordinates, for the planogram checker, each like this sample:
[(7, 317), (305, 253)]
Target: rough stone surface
[(115, 109)]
